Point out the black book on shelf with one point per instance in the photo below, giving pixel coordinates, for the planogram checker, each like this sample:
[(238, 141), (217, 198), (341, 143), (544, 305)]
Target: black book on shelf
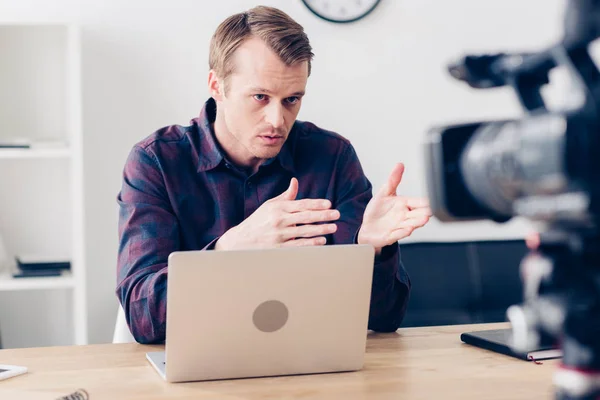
[(14, 144), (30, 264), (37, 273)]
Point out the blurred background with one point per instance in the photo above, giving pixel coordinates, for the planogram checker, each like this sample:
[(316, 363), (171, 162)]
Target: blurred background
[(82, 80)]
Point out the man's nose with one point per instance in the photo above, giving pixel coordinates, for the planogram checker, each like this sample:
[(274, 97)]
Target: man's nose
[(274, 115)]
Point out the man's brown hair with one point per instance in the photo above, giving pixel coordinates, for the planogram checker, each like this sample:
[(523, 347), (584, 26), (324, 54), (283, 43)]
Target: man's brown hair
[(278, 30)]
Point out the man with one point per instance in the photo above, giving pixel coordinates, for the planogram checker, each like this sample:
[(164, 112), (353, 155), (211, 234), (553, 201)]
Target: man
[(246, 175)]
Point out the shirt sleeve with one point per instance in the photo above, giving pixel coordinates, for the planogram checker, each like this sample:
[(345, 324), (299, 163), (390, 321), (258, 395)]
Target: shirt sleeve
[(391, 283), (148, 233)]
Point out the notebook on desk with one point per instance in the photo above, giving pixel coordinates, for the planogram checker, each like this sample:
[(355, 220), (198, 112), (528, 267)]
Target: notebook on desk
[(498, 340)]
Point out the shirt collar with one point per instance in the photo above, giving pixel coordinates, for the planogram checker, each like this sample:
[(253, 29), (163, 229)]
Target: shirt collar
[(211, 154)]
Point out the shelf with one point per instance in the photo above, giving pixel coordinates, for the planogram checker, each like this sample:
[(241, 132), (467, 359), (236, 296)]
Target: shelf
[(33, 153), (42, 187), (8, 283)]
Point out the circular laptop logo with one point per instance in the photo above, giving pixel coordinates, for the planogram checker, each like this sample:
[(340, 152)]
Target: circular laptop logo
[(270, 316)]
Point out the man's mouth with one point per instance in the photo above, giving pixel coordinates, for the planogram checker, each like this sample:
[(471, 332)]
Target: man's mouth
[(271, 139)]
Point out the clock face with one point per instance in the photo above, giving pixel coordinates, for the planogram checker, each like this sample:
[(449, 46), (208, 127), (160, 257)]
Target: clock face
[(341, 10)]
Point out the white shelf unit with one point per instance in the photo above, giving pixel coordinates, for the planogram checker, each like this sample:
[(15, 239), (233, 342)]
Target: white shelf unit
[(41, 188)]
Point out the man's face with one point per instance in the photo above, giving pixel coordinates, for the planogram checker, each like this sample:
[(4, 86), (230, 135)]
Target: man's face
[(261, 101)]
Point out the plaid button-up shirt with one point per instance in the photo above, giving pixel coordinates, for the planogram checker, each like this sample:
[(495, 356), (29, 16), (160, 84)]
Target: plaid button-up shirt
[(180, 193)]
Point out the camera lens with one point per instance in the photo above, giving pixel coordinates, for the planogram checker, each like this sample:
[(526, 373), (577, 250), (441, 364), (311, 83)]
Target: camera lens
[(506, 160)]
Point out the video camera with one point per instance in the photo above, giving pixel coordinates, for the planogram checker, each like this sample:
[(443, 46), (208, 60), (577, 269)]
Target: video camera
[(544, 167)]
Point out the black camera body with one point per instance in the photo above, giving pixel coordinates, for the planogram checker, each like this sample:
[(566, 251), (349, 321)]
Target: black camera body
[(545, 167)]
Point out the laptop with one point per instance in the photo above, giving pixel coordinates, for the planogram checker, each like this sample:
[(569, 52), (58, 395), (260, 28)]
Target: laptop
[(258, 313)]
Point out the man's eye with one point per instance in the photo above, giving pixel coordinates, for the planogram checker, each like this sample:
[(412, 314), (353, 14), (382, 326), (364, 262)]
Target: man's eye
[(292, 100), (260, 97)]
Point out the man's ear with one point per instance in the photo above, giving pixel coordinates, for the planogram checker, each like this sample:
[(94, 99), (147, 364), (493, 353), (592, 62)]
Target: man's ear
[(215, 87)]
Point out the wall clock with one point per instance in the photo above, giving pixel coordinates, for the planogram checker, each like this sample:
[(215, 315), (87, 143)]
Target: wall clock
[(341, 11)]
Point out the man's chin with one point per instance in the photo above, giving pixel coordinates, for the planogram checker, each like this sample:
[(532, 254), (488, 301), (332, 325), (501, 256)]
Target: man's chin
[(266, 153)]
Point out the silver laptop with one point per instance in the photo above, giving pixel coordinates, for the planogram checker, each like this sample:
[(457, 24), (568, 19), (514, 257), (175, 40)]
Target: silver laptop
[(256, 313)]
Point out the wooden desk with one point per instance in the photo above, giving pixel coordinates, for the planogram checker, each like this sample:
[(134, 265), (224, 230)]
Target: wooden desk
[(414, 363)]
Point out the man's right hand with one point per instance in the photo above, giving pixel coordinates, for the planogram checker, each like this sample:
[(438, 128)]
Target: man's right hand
[(281, 222)]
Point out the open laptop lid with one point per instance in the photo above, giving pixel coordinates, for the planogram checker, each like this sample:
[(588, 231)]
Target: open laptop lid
[(267, 312)]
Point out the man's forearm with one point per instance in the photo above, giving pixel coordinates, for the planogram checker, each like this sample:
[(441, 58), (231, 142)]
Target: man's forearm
[(390, 292), (145, 303)]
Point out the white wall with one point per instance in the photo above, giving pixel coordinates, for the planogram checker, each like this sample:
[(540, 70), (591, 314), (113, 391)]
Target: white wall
[(381, 82)]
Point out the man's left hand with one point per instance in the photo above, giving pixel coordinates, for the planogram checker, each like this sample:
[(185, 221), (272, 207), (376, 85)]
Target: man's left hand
[(389, 217)]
